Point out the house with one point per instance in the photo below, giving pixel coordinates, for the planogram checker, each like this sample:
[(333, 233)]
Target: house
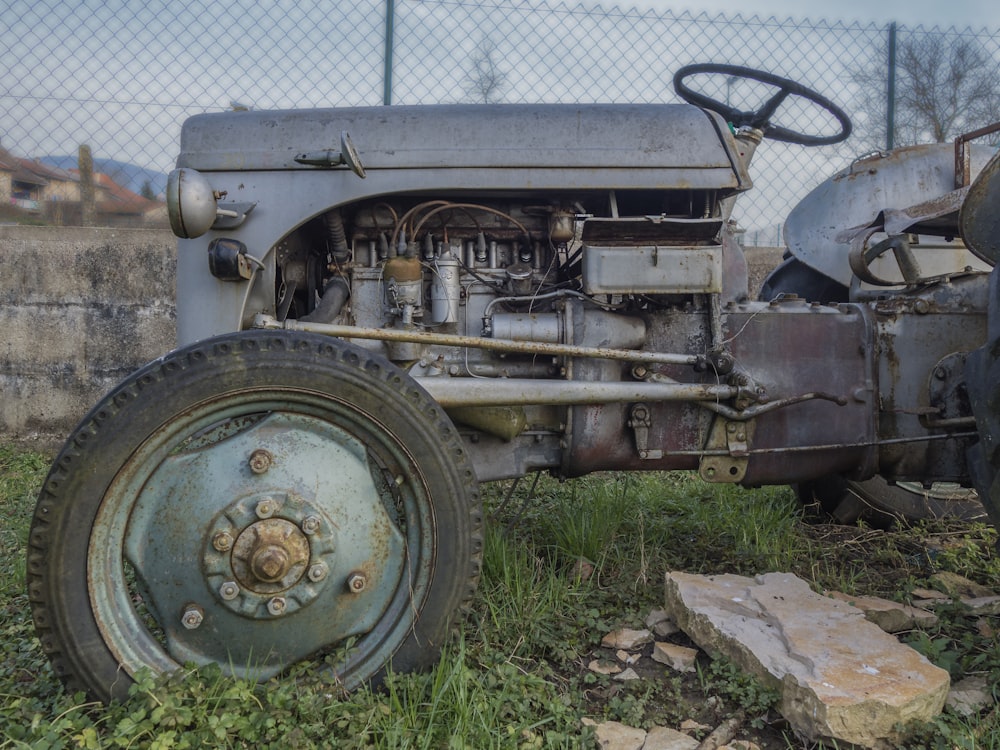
[(29, 184)]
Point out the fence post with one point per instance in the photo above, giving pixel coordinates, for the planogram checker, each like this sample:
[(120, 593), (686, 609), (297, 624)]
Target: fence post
[(390, 18), (890, 110)]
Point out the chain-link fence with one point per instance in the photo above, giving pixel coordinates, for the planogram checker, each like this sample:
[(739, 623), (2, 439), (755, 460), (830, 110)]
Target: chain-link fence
[(122, 76)]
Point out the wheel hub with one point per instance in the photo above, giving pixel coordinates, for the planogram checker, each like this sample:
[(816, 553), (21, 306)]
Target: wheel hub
[(287, 552)]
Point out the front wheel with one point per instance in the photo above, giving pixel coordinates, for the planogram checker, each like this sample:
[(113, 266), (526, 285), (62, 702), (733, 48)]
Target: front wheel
[(256, 501)]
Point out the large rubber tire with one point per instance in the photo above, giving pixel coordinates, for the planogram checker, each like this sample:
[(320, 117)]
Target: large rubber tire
[(874, 501), (355, 475)]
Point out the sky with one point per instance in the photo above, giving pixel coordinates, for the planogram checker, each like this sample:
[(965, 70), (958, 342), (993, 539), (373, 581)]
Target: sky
[(974, 13)]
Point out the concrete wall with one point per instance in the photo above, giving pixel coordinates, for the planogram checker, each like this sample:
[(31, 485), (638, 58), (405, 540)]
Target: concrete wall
[(80, 308)]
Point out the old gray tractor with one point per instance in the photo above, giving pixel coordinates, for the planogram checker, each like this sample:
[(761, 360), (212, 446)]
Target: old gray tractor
[(473, 293)]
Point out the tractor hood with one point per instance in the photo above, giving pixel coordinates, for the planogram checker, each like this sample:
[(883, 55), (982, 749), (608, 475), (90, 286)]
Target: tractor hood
[(686, 147)]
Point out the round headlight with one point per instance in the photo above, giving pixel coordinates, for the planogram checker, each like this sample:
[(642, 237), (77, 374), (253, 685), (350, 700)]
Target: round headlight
[(191, 203)]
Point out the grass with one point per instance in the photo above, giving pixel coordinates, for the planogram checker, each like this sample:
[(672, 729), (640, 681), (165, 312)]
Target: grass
[(559, 571)]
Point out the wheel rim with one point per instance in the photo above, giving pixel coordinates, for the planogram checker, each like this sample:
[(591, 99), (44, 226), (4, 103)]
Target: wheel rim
[(259, 529)]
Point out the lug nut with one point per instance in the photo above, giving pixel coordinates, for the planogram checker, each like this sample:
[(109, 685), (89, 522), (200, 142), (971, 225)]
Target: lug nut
[(317, 572), (193, 616), (260, 461), (222, 541), (229, 590), (265, 508), (356, 583), (310, 525), (276, 606)]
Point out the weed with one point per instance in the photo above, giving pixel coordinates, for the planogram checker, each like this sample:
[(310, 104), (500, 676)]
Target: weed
[(516, 679)]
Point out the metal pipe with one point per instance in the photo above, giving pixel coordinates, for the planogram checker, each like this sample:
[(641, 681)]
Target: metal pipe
[(504, 391), (477, 342), (390, 21), (890, 110)]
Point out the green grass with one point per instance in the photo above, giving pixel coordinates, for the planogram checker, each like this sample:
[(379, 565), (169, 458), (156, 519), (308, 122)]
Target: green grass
[(515, 675)]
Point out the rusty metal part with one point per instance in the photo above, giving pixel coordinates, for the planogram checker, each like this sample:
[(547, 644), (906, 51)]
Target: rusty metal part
[(962, 156), (357, 582), (733, 438), (270, 556), (193, 616), (260, 461), (477, 342), (979, 219), (640, 422)]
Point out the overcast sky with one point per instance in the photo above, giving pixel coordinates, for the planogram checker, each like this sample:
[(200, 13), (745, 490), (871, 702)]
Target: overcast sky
[(974, 13)]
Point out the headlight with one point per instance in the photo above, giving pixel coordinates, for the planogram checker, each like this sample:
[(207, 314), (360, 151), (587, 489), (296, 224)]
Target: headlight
[(191, 203)]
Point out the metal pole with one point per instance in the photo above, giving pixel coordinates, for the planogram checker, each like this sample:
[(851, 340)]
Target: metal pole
[(390, 18), (890, 111)]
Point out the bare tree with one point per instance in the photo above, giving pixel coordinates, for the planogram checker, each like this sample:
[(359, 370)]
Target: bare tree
[(945, 85), (486, 80)]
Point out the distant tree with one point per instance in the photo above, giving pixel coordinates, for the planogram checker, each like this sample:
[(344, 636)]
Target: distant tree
[(146, 191), (946, 85), (486, 80)]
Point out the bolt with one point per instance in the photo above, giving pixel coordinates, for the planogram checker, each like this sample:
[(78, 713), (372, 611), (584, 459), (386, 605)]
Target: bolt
[(229, 590), (222, 541), (265, 508), (317, 572), (260, 461), (731, 427), (356, 582), (310, 525), (922, 307), (940, 373), (741, 436), (710, 471), (193, 616), (276, 606)]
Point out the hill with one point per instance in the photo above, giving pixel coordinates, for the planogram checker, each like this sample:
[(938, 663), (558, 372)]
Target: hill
[(127, 175)]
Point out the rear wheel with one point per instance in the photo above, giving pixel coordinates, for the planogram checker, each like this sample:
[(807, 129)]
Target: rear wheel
[(258, 501)]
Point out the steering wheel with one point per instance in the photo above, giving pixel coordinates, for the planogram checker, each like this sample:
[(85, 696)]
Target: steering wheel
[(761, 117)]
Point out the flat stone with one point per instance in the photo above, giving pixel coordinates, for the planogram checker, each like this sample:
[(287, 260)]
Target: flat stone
[(678, 658), (627, 657), (612, 735), (970, 695), (630, 640), (982, 605), (690, 725), (603, 667), (628, 674), (959, 587), (840, 677), (665, 738), (891, 616), (660, 623), (930, 594)]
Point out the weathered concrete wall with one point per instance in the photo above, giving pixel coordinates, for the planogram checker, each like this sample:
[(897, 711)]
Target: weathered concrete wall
[(80, 308)]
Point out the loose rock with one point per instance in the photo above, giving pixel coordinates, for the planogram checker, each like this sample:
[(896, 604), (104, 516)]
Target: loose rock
[(970, 695), (660, 623), (664, 738), (612, 735), (678, 658), (603, 667), (628, 674), (630, 640), (840, 676), (959, 587)]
